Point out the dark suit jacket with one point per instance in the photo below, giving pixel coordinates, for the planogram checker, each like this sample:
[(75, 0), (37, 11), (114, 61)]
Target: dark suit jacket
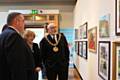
[(16, 59), (36, 54), (54, 60)]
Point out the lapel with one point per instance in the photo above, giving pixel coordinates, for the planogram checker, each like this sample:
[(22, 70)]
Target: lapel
[(51, 39)]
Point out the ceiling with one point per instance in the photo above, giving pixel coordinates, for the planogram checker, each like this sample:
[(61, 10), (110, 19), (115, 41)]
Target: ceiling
[(41, 2)]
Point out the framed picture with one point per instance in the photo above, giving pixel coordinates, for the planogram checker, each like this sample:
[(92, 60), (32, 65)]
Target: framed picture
[(92, 39), (85, 25), (80, 33), (81, 48), (76, 33), (83, 30), (116, 62), (117, 17), (104, 60), (85, 49), (104, 25), (76, 47)]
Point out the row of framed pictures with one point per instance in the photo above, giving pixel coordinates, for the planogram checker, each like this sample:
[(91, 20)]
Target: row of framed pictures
[(104, 25), (81, 32), (105, 48), (104, 55), (81, 48)]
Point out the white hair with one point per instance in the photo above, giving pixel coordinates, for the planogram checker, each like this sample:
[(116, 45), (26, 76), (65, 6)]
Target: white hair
[(50, 25)]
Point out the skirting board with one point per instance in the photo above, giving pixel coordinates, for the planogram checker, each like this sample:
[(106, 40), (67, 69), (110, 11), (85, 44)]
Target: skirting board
[(78, 72)]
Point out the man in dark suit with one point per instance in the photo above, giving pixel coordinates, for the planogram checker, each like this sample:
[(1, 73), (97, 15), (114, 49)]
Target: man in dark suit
[(16, 59), (54, 53)]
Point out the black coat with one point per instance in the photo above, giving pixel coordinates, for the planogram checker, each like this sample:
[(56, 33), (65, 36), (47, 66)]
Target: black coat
[(16, 59), (54, 60), (36, 54)]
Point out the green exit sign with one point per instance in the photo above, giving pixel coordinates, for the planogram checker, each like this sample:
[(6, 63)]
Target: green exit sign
[(34, 11)]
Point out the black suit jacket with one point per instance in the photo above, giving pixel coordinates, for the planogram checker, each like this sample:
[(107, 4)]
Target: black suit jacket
[(54, 60), (16, 59), (36, 54)]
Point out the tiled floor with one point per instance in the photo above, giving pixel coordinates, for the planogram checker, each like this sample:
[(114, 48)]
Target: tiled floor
[(73, 75)]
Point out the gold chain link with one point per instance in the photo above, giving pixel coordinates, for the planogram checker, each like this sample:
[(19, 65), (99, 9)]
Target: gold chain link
[(53, 43)]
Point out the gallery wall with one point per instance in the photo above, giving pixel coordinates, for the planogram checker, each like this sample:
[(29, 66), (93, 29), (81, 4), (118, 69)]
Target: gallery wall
[(91, 11)]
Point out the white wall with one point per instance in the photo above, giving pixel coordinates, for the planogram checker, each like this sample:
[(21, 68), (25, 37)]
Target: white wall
[(91, 11), (3, 16)]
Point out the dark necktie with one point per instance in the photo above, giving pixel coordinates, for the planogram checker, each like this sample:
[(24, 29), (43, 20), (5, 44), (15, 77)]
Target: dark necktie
[(53, 39)]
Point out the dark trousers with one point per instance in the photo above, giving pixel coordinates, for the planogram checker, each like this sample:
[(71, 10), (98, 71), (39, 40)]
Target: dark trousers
[(61, 73), (36, 76)]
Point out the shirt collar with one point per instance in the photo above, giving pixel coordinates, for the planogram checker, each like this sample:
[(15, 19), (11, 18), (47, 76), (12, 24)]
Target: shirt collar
[(14, 29)]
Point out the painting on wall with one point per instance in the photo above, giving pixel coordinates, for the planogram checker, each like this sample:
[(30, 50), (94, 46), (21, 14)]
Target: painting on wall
[(104, 60), (76, 33), (81, 48), (80, 33), (85, 49), (83, 31), (104, 26), (76, 47), (116, 61), (117, 17), (92, 39)]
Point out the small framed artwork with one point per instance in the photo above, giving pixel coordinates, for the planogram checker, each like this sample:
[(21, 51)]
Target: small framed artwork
[(104, 60), (117, 17), (76, 47), (76, 33), (116, 61), (92, 39), (85, 49), (80, 33), (104, 25), (81, 48), (84, 30)]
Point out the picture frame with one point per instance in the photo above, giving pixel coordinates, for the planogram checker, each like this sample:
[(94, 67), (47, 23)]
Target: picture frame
[(76, 47), (117, 17), (80, 33), (76, 34), (92, 39), (104, 60), (83, 31), (104, 24), (85, 49), (81, 48), (116, 61), (85, 25)]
